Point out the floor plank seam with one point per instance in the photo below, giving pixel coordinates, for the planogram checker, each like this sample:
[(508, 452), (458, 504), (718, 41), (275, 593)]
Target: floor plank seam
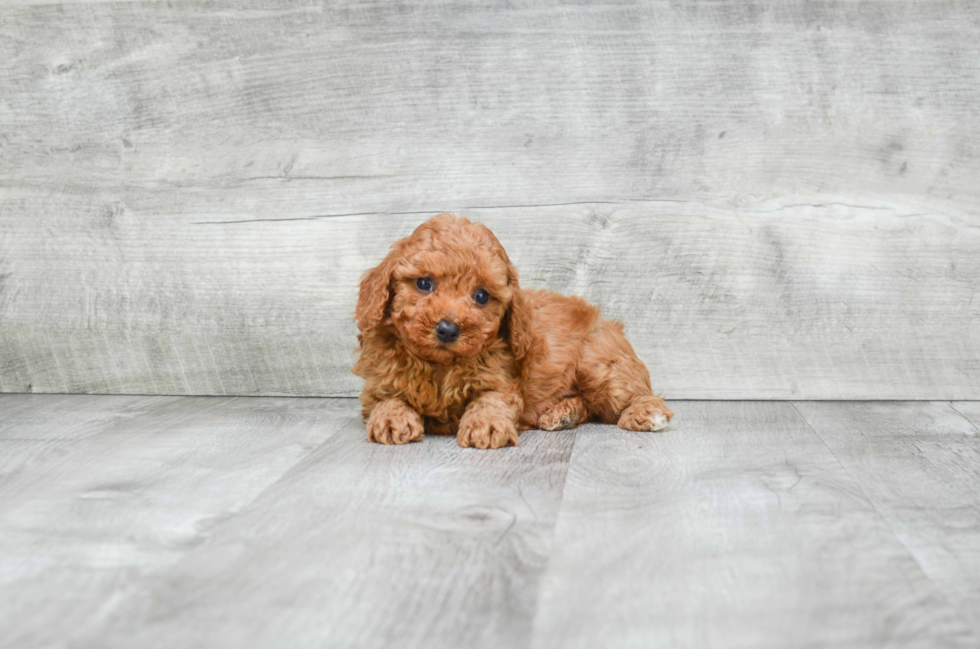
[(968, 420), (229, 520), (554, 531), (964, 618), (843, 466), (289, 472)]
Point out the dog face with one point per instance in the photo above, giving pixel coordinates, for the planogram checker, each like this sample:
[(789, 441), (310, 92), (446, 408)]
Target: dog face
[(448, 290)]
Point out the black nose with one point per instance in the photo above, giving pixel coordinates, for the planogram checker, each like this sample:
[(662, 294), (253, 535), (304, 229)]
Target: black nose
[(447, 331)]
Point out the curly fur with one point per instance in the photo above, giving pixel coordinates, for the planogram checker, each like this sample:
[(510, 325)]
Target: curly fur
[(526, 359)]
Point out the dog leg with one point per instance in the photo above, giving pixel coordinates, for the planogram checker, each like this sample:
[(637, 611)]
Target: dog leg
[(490, 421), (615, 384), (567, 413), (394, 422)]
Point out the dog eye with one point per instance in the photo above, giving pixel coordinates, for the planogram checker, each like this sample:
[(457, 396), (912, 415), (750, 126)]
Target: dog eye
[(481, 297), (423, 284)]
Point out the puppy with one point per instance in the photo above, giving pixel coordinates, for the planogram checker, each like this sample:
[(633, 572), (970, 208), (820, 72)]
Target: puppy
[(451, 344)]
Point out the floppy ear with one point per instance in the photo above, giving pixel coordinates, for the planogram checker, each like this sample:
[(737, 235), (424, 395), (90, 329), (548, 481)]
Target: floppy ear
[(518, 320), (372, 301)]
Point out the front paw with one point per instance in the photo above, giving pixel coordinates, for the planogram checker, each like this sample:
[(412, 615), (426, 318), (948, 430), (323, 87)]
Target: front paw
[(394, 423), (484, 432)]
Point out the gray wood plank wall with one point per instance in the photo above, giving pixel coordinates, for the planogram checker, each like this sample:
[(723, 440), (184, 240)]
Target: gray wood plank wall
[(780, 200)]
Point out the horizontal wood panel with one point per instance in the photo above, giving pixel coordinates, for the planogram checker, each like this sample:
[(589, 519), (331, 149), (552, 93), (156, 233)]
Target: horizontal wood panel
[(394, 107), (778, 201), (776, 300)]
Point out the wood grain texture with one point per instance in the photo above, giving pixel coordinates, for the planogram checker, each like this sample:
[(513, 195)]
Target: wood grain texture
[(69, 418), (33, 428), (770, 302), (920, 466), (81, 525), (363, 545), (780, 201), (970, 410), (197, 522), (737, 529)]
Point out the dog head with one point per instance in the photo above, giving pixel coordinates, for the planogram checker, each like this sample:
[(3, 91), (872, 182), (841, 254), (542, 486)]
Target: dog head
[(448, 290)]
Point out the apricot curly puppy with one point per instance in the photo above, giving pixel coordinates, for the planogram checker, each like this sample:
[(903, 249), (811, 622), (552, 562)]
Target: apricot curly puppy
[(451, 344)]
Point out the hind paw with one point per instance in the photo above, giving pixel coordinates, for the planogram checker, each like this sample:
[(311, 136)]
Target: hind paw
[(567, 413), (648, 414)]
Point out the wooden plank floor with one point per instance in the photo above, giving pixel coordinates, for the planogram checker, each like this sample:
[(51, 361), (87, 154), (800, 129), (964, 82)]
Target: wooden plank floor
[(204, 521)]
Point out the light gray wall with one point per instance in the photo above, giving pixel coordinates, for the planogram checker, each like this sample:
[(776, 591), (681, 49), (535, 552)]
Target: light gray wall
[(778, 199)]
